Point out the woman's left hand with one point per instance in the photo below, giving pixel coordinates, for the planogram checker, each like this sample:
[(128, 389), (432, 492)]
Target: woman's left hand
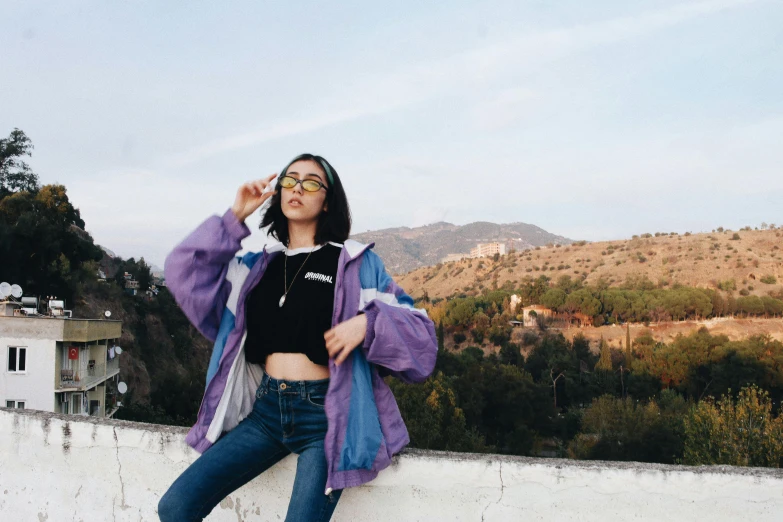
[(343, 338)]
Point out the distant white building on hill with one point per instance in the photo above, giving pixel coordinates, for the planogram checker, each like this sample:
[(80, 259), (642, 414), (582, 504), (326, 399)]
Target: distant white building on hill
[(514, 303), (532, 312), (488, 249), (480, 250)]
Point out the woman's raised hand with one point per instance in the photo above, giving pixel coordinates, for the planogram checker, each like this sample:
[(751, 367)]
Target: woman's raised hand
[(250, 196)]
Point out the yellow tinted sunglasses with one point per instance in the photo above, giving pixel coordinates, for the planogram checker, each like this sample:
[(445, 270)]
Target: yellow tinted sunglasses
[(310, 185)]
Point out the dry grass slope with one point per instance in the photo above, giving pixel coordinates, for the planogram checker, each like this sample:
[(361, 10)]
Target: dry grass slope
[(752, 259)]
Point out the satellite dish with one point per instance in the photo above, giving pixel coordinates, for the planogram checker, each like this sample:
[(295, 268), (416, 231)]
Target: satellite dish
[(117, 350), (107, 313), (122, 387), (5, 290), (16, 291)]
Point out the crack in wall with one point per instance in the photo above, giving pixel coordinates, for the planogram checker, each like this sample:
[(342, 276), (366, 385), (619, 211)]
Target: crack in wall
[(502, 491), (122, 483), (76, 509)]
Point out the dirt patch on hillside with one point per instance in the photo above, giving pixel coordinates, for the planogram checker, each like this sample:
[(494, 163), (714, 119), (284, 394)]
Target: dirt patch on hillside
[(735, 329)]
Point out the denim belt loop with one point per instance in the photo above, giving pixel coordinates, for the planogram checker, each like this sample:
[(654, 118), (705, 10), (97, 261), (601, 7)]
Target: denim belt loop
[(302, 390)]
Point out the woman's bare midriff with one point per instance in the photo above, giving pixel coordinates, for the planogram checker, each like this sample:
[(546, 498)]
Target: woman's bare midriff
[(294, 367)]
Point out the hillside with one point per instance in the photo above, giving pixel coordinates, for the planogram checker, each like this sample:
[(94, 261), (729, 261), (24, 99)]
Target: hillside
[(404, 249), (738, 261)]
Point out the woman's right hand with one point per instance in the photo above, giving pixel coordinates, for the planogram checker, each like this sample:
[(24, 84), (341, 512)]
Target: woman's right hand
[(250, 196)]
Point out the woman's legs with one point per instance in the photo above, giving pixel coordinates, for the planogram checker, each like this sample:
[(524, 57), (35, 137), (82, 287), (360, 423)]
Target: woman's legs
[(305, 427), (308, 501), (287, 417), (236, 458)]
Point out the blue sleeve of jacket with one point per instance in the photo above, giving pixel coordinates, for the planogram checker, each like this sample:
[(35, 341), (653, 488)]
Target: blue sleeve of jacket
[(400, 339)]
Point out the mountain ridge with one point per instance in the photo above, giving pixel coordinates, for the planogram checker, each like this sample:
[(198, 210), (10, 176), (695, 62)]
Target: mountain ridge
[(407, 248)]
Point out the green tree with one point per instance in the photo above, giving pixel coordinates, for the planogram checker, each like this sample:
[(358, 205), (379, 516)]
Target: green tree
[(43, 243), (622, 429), (605, 358), (553, 355), (433, 419), (139, 270), (460, 313), (568, 285), (584, 302), (553, 298), (738, 433), (480, 326), (15, 174)]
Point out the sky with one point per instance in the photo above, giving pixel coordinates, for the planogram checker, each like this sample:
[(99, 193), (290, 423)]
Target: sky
[(593, 120)]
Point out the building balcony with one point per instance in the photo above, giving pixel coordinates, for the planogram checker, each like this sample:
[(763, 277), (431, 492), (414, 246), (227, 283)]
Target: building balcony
[(74, 380), (103, 469)]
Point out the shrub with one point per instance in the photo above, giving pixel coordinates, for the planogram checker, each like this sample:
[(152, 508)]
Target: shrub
[(735, 237), (769, 279), (741, 433), (529, 338)]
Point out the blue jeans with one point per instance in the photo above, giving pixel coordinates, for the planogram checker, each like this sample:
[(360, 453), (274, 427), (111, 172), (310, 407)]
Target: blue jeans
[(287, 417)]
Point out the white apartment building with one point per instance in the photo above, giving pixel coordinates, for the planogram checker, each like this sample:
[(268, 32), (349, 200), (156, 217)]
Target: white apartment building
[(480, 250), (488, 249), (59, 364)]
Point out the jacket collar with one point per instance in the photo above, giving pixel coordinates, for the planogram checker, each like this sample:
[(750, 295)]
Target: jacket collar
[(352, 247)]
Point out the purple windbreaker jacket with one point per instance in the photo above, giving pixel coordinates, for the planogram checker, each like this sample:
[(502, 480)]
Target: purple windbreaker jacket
[(365, 428)]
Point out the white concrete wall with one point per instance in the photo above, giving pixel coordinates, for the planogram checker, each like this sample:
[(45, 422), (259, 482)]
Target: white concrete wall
[(36, 386), (59, 468)]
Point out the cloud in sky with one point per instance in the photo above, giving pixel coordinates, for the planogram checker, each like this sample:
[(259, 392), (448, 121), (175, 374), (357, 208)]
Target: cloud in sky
[(477, 68), (563, 115)]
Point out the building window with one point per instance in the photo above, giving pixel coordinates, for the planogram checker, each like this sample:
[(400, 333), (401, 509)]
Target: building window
[(76, 403), (65, 399), (17, 359), (15, 404)]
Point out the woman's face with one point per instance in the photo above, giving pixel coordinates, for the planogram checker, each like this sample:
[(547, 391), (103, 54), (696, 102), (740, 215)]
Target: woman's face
[(297, 203)]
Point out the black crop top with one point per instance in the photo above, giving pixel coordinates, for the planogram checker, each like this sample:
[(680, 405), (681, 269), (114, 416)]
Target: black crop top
[(299, 325)]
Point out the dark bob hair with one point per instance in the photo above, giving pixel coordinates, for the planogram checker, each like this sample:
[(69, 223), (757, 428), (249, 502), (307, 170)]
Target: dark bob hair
[(334, 224)]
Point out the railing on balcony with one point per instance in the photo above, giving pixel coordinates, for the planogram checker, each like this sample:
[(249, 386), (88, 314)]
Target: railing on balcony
[(94, 374)]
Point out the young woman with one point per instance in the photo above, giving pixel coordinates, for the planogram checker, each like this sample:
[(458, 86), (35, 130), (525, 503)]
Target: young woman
[(304, 333)]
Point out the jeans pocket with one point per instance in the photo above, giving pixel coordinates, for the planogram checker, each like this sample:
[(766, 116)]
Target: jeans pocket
[(317, 399), (260, 392)]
